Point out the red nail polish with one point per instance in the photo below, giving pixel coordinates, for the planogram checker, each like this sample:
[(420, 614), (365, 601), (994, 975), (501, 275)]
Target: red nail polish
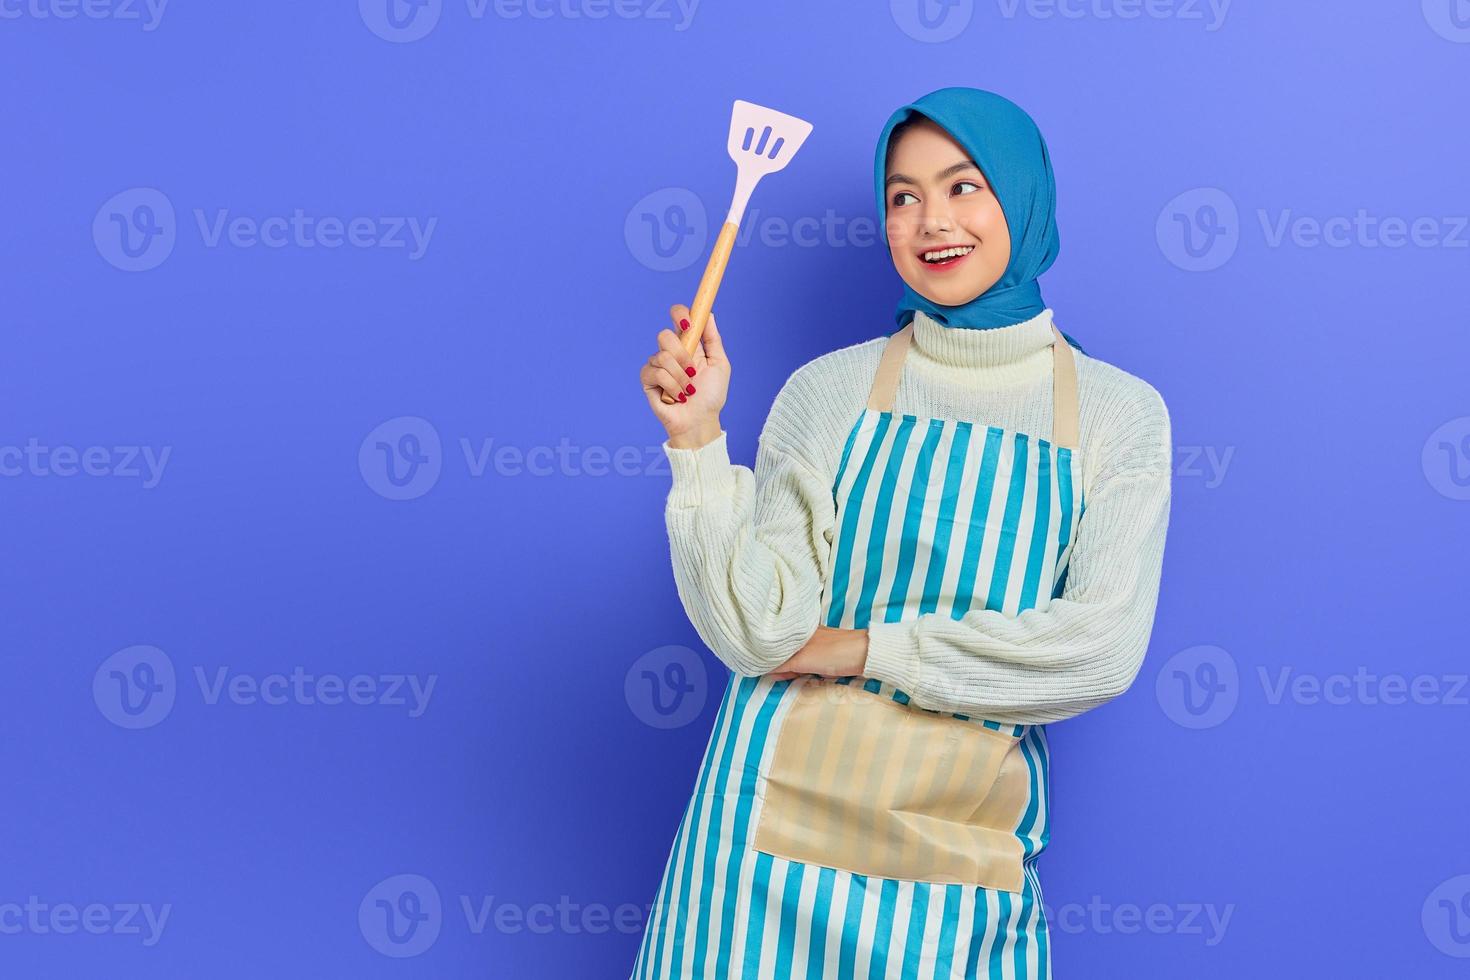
[(682, 398), (683, 324), (689, 371), (689, 389)]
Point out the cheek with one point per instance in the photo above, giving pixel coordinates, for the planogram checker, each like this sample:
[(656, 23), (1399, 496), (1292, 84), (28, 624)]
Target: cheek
[(899, 232), (988, 222)]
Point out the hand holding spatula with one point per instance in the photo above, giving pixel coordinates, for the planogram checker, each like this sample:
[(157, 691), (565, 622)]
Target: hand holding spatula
[(761, 142)]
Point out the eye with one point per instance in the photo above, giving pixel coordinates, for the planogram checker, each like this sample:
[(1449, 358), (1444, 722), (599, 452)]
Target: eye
[(969, 183), (896, 201)]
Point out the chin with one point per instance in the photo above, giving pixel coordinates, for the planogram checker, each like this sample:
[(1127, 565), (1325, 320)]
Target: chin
[(950, 292), (955, 297)]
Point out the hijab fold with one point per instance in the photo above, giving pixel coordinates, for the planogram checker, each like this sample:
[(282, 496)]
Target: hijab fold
[(1005, 144)]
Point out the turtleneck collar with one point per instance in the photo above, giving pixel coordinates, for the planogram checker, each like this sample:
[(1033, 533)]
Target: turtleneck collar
[(1001, 355)]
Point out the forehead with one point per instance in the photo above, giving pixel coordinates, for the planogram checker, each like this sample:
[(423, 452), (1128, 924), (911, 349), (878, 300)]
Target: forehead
[(924, 142)]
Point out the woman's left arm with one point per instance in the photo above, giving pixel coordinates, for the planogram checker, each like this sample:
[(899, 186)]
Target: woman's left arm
[(1087, 646)]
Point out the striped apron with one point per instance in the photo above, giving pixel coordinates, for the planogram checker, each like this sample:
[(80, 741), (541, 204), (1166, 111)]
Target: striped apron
[(838, 831)]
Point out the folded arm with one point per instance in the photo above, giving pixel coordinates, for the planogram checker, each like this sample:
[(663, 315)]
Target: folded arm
[(748, 549), (1087, 646)]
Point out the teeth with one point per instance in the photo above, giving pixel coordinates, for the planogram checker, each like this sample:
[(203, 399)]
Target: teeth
[(948, 253)]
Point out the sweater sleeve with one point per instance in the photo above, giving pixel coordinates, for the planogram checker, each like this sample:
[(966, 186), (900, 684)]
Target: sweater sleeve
[(748, 547), (1086, 647)]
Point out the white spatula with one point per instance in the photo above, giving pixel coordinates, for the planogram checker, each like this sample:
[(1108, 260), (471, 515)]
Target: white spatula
[(761, 142)]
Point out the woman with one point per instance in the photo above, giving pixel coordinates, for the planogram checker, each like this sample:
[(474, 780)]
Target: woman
[(953, 536)]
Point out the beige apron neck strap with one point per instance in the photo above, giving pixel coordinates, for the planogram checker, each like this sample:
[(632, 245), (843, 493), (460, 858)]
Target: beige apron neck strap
[(885, 381), (1064, 426)]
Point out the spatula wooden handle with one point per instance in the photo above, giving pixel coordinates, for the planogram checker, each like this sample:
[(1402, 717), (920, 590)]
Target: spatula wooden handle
[(704, 299)]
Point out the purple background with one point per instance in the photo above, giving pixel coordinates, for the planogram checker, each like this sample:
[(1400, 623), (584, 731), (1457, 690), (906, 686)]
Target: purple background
[(1329, 538)]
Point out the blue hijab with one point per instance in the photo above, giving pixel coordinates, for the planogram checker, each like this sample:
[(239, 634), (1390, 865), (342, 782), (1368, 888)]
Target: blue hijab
[(1005, 144)]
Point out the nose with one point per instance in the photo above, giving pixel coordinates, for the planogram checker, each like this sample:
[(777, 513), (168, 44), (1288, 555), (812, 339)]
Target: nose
[(935, 216)]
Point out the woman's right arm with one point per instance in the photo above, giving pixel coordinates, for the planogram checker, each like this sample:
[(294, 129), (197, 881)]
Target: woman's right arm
[(747, 547)]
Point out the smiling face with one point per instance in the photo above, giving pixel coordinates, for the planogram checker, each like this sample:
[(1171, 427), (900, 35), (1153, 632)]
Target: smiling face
[(937, 199)]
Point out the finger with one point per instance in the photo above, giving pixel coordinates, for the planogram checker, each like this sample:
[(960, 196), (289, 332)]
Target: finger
[(714, 347), (657, 393), (668, 342), (680, 314), (684, 321), (677, 383), (657, 381)]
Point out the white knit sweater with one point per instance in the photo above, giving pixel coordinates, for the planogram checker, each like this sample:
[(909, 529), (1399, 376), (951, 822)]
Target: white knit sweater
[(748, 548)]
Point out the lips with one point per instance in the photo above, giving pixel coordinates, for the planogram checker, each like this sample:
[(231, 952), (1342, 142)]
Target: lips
[(948, 262)]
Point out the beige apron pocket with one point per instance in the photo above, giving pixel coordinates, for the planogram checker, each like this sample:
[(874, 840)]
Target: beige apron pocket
[(862, 783)]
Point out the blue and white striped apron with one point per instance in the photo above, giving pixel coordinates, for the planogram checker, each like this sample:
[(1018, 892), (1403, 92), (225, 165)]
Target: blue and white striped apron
[(932, 516)]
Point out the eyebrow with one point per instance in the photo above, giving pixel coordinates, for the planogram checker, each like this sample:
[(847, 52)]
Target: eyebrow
[(946, 172)]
